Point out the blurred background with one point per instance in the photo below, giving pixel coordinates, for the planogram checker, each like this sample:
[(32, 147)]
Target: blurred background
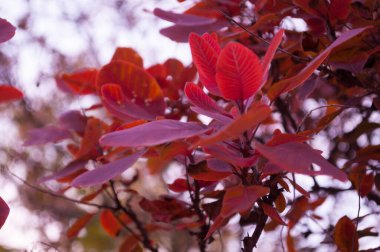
[(55, 36)]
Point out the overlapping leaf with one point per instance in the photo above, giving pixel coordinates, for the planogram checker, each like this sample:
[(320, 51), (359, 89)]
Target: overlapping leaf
[(152, 133), (138, 86), (298, 157), (205, 58), (103, 173), (286, 85)]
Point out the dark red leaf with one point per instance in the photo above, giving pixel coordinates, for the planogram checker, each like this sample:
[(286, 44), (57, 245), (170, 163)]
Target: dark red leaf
[(237, 199), (272, 213), (152, 133), (238, 72), (179, 185), (4, 212), (286, 85), (345, 235), (9, 93), (7, 30), (298, 157)]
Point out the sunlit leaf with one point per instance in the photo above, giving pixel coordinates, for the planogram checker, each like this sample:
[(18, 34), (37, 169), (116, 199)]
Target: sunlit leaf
[(110, 223), (238, 72), (205, 58)]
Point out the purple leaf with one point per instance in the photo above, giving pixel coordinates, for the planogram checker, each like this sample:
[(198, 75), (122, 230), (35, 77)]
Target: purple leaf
[(298, 157), (7, 30), (103, 173), (223, 153), (219, 117), (180, 33), (4, 212), (48, 134), (152, 133), (73, 120), (182, 19), (67, 170)]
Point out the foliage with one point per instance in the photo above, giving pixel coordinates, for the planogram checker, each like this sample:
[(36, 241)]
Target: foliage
[(254, 82)]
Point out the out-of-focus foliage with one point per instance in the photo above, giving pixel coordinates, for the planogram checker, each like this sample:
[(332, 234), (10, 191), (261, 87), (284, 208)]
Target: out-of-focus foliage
[(147, 166)]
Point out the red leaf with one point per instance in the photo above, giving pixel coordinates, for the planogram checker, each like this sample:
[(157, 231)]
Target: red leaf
[(152, 133), (339, 10), (4, 212), (109, 223), (9, 93), (203, 171), (345, 235), (205, 58), (179, 185), (238, 72), (276, 41), (298, 157), (198, 98), (89, 147), (237, 199), (166, 209), (138, 85), (7, 30), (299, 208), (255, 115), (271, 212), (81, 82), (291, 83), (80, 223), (103, 173), (129, 55)]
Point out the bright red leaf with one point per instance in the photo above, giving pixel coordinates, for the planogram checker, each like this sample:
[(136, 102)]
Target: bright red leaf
[(81, 82), (129, 55), (198, 98), (238, 72), (78, 225), (271, 51), (205, 58), (110, 223), (9, 93)]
